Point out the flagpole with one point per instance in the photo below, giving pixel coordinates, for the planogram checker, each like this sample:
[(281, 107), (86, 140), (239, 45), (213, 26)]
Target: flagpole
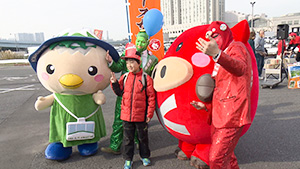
[(128, 23)]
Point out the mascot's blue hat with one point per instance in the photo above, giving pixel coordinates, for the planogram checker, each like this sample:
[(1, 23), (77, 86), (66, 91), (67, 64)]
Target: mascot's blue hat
[(83, 35)]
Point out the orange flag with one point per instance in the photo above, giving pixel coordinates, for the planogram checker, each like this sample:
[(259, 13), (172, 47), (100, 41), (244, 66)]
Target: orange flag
[(137, 10)]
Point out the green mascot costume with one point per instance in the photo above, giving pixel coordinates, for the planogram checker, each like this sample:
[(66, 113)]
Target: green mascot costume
[(73, 68)]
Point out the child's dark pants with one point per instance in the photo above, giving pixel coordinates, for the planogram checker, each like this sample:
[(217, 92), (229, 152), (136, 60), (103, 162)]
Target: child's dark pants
[(128, 139)]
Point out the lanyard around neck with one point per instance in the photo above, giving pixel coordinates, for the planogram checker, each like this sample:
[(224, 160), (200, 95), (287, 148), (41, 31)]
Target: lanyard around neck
[(68, 111)]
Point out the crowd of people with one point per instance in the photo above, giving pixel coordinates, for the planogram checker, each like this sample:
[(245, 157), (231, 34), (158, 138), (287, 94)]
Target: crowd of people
[(258, 45)]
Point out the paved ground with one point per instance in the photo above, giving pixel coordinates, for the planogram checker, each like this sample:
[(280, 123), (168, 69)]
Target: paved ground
[(272, 142)]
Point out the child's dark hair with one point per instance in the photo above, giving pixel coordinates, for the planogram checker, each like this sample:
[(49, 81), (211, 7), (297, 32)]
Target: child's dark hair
[(137, 60)]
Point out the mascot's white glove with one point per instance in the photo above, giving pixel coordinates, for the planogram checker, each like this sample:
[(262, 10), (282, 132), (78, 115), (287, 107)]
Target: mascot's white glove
[(43, 102), (99, 97)]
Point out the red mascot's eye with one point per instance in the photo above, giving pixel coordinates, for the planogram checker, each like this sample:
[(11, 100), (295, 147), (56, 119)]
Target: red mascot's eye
[(163, 71), (179, 47)]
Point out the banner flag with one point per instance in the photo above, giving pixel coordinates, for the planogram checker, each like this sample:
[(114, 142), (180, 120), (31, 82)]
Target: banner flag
[(136, 10), (98, 33)]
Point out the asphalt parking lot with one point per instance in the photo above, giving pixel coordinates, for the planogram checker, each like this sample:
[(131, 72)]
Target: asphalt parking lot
[(272, 142)]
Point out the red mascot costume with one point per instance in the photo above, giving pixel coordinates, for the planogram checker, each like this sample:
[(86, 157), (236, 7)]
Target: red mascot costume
[(175, 80)]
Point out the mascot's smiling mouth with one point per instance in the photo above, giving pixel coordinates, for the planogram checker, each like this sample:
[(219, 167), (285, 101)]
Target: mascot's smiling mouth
[(168, 105)]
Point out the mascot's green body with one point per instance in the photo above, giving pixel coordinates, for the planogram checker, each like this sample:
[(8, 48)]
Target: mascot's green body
[(83, 105)]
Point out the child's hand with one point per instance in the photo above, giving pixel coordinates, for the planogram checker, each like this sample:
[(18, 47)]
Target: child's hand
[(148, 120), (113, 78), (108, 57), (198, 105)]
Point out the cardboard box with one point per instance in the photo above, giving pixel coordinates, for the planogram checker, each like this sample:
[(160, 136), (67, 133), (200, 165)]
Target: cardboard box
[(272, 66), (273, 61)]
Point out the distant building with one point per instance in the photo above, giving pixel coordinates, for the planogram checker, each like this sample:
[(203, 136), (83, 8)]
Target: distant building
[(233, 17), (259, 21), (25, 37), (263, 22), (39, 37), (30, 37), (180, 15), (292, 19)]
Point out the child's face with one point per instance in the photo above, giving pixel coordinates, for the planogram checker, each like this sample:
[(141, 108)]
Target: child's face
[(132, 65)]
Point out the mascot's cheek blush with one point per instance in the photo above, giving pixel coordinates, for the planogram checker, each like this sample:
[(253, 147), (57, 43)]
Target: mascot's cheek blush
[(200, 59), (45, 76), (99, 78)]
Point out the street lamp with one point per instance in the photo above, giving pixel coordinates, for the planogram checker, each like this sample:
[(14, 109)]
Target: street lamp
[(252, 22), (16, 43)]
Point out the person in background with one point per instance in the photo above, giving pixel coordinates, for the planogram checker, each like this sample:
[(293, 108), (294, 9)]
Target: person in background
[(259, 44), (294, 42), (279, 47), (137, 108), (148, 62), (231, 97), (251, 40)]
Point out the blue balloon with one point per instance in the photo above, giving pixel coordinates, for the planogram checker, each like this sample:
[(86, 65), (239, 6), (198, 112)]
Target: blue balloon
[(153, 21)]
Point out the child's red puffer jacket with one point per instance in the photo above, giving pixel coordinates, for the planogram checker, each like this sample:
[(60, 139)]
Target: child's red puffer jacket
[(133, 106)]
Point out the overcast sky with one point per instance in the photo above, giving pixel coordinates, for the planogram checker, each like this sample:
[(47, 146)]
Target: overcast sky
[(53, 16)]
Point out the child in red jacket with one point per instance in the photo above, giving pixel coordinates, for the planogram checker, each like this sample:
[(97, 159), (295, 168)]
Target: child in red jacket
[(137, 106)]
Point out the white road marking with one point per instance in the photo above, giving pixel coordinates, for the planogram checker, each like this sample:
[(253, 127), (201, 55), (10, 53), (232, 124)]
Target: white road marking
[(6, 90), (13, 78)]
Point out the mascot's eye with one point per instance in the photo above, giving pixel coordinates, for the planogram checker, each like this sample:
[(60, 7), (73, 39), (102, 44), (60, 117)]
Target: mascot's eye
[(163, 71), (179, 47), (50, 69), (93, 70)]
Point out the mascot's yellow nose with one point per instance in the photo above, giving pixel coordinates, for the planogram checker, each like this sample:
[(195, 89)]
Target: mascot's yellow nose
[(70, 81)]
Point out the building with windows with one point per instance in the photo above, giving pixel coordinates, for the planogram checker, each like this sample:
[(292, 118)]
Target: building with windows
[(22, 37), (30, 37), (292, 19), (180, 15), (263, 22), (233, 17), (39, 37)]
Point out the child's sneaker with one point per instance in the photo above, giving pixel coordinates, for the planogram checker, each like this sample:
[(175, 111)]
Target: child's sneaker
[(127, 164), (146, 161)]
